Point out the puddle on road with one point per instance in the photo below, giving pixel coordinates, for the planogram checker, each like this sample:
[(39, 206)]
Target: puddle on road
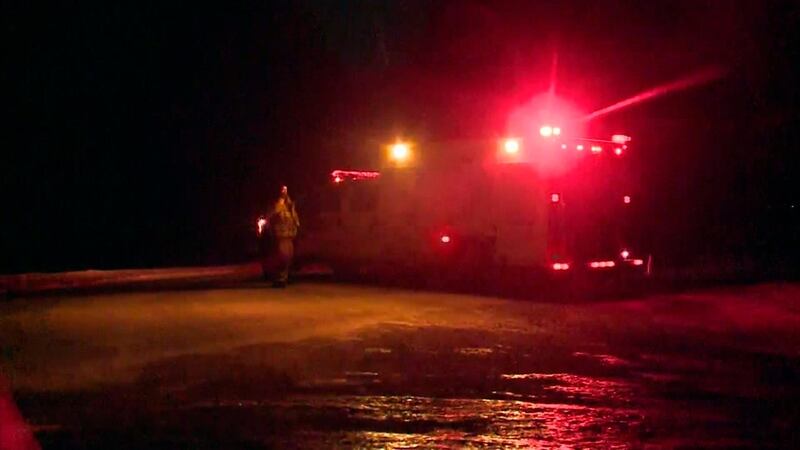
[(435, 388), (377, 350), (578, 387), (474, 351), (424, 422), (609, 360)]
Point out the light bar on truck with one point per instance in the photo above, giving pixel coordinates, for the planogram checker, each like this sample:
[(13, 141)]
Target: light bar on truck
[(340, 176), (620, 139), (560, 266), (602, 264)]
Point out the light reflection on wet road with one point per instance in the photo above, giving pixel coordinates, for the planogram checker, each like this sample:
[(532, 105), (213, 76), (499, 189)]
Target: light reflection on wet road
[(408, 370)]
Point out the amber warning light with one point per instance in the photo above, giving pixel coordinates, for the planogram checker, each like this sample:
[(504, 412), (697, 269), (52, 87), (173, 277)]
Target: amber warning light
[(400, 152)]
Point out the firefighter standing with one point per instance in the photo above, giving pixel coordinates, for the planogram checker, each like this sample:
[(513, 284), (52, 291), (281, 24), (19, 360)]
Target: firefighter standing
[(283, 225)]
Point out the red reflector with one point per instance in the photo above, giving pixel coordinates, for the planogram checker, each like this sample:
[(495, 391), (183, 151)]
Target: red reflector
[(445, 239), (638, 262), (555, 198)]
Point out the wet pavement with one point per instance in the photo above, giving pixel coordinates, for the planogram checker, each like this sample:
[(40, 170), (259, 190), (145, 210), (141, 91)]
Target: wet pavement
[(327, 366)]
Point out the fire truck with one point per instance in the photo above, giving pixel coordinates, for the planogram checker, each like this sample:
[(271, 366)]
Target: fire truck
[(545, 208)]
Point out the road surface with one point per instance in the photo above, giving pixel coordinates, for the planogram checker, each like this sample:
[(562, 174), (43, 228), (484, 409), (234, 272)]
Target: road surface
[(321, 365)]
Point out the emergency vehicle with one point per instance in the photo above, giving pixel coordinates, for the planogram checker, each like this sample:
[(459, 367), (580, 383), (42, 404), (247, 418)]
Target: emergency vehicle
[(471, 208)]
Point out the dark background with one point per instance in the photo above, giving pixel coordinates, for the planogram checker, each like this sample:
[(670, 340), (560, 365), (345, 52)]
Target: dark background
[(146, 134)]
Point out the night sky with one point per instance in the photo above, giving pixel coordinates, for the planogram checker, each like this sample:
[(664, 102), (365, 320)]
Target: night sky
[(144, 134)]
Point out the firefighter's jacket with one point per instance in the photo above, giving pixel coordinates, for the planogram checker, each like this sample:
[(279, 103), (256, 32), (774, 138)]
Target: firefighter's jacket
[(284, 221)]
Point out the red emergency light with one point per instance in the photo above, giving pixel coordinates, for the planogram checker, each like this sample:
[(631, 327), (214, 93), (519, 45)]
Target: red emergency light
[(511, 146), (445, 239), (555, 197), (618, 151), (560, 266), (626, 199)]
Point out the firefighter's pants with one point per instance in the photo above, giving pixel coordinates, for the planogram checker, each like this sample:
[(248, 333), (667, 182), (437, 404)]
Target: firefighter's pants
[(284, 252)]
